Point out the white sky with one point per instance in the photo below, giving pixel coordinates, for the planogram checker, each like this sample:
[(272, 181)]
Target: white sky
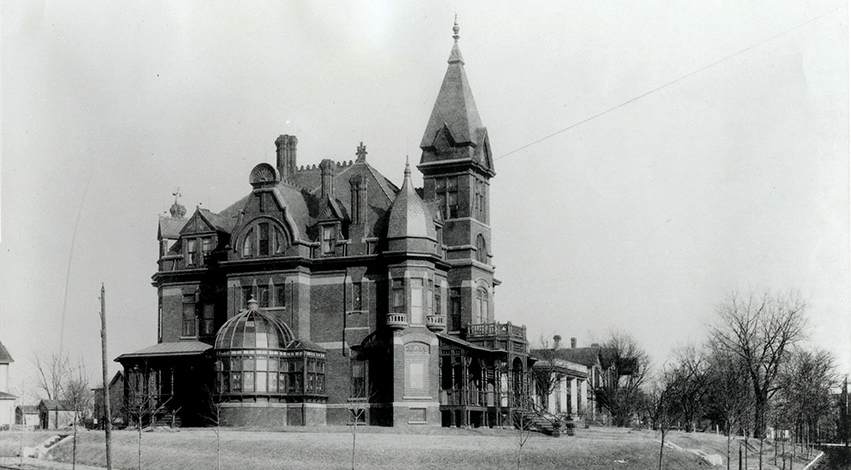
[(734, 178)]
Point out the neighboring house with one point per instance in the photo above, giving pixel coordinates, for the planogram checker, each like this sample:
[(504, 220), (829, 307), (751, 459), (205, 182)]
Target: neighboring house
[(27, 415), (561, 386), (599, 371), (328, 286), (55, 414), (7, 400), (116, 401)]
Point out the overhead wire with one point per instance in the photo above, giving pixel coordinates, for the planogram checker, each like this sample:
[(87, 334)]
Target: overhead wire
[(654, 90)]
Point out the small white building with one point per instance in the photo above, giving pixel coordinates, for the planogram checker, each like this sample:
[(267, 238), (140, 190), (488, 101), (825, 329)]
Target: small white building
[(7, 400)]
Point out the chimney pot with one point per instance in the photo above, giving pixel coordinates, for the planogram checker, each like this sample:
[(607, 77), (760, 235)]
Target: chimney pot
[(556, 341), (573, 343)]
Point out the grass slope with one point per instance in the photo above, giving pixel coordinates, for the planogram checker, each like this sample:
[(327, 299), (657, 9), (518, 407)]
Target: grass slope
[(380, 448)]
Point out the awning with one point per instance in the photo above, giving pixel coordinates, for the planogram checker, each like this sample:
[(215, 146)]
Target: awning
[(178, 348)]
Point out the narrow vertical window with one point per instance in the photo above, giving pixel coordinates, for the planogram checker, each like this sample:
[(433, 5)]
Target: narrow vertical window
[(416, 300), (280, 244), (440, 195), (280, 295), (438, 310), (329, 242), (399, 295), (248, 244), (481, 249), (191, 252), (430, 298), (247, 294), (206, 247), (452, 197), (358, 379), (207, 320), (264, 239), (455, 308), (263, 292), (357, 296), (480, 310), (188, 315)]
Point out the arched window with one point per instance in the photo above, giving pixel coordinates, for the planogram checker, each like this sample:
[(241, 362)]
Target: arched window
[(481, 249), (480, 307), (263, 238)]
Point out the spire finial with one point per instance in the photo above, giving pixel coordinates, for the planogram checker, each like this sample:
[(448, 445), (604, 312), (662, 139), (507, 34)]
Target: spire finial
[(455, 29), (407, 167), (177, 211)]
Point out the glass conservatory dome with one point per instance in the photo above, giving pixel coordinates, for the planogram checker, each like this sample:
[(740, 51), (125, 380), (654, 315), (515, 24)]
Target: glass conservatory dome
[(258, 358), (253, 329)]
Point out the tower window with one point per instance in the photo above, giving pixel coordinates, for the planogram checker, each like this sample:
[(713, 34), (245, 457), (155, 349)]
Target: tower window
[(399, 295), (446, 193), (480, 310), (455, 308), (437, 300), (481, 249), (416, 300), (479, 202)]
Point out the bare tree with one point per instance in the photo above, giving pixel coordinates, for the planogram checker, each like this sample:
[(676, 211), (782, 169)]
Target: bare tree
[(627, 366), (52, 373), (78, 394), (213, 417), (659, 402), (691, 377), (760, 329), (730, 394), (806, 382)]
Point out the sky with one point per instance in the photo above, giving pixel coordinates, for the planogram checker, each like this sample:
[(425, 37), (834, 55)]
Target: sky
[(719, 164)]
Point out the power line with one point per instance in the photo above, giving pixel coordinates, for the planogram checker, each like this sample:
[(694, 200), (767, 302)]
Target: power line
[(667, 84)]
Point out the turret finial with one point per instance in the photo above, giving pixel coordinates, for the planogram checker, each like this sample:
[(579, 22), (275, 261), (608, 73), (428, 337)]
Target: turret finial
[(407, 167), (455, 29)]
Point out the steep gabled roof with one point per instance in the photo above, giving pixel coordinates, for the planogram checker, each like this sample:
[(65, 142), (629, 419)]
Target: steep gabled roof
[(5, 357), (169, 228)]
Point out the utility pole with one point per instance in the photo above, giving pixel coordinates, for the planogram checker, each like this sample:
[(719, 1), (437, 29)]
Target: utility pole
[(107, 411)]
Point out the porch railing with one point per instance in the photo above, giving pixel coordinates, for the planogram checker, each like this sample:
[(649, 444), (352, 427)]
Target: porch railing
[(506, 330)]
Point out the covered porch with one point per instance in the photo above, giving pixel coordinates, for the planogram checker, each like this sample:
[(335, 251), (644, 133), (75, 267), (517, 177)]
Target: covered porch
[(480, 386), (168, 384)]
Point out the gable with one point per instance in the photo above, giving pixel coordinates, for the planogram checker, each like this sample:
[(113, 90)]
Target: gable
[(197, 224)]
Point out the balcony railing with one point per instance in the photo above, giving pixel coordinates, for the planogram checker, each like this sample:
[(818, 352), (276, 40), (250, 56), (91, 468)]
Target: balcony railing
[(504, 330), (397, 320), (436, 323)]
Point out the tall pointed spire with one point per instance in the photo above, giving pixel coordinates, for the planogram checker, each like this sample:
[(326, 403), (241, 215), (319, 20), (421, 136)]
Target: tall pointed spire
[(454, 130)]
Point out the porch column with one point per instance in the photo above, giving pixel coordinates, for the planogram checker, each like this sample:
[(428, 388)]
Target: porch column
[(552, 399), (562, 395), (583, 395), (573, 396)]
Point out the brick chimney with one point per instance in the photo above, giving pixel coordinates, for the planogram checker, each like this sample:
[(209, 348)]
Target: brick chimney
[(556, 341), (327, 170), (286, 150), (572, 343)]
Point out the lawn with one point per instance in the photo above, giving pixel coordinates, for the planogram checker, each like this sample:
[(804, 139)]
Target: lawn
[(380, 448)]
